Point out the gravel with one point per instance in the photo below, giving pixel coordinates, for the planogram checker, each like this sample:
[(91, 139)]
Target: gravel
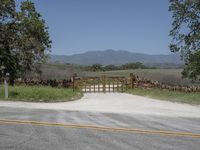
[(121, 103)]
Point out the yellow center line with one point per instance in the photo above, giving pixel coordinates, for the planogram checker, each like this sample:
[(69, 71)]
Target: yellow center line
[(102, 128)]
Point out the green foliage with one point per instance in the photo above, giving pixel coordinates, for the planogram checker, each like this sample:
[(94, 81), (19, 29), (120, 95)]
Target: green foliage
[(136, 65), (24, 40), (40, 94), (186, 34), (192, 69), (111, 68), (99, 67), (174, 96), (95, 68)]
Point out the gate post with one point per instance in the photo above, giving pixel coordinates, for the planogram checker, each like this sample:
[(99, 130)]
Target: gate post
[(132, 80), (73, 80), (122, 85)]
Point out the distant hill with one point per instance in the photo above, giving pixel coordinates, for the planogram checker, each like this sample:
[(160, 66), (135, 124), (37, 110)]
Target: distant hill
[(115, 57)]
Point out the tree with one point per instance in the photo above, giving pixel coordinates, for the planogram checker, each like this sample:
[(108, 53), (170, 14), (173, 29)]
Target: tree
[(135, 65), (186, 34), (111, 67), (7, 37), (24, 38), (96, 67)]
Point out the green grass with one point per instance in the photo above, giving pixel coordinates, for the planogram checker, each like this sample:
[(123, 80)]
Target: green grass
[(174, 96), (40, 94)]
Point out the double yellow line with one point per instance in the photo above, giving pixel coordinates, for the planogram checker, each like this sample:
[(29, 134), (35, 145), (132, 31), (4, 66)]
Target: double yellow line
[(102, 128)]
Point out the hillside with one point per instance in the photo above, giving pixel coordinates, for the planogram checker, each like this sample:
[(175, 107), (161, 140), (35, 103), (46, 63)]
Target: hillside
[(115, 57)]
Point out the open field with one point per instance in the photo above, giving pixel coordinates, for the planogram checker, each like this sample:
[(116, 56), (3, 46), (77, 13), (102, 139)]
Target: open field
[(65, 71), (40, 94), (174, 96), (57, 71), (169, 76)]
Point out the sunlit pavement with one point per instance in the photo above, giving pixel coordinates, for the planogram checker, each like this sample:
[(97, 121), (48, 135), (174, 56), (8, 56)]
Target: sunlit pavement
[(37, 129)]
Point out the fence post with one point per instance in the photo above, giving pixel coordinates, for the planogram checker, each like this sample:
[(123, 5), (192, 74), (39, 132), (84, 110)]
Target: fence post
[(132, 80), (73, 80), (6, 85), (6, 88), (122, 86)]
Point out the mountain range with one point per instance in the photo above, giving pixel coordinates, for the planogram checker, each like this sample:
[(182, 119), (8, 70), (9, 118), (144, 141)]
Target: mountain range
[(115, 57)]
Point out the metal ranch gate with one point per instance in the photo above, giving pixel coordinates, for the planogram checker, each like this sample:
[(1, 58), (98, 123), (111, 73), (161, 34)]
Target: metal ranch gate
[(102, 84)]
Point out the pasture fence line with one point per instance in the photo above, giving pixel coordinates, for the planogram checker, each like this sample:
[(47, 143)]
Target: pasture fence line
[(121, 84), (105, 83), (137, 82)]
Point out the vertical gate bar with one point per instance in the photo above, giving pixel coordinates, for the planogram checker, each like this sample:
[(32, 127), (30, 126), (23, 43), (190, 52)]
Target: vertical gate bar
[(126, 84), (122, 86), (85, 85), (109, 86), (104, 84), (94, 85), (98, 85), (113, 85), (117, 86), (89, 87)]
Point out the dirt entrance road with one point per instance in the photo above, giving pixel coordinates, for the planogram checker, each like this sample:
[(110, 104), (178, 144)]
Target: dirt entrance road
[(117, 103)]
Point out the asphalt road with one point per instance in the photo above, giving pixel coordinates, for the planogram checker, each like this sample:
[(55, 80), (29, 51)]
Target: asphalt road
[(38, 129)]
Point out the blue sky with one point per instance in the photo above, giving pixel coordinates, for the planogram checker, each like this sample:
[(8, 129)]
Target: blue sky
[(77, 26)]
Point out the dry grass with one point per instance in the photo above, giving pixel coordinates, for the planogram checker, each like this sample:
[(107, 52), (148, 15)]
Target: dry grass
[(169, 76), (64, 71)]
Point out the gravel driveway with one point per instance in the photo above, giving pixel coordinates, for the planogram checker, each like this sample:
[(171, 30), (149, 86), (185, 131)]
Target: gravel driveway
[(116, 103)]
